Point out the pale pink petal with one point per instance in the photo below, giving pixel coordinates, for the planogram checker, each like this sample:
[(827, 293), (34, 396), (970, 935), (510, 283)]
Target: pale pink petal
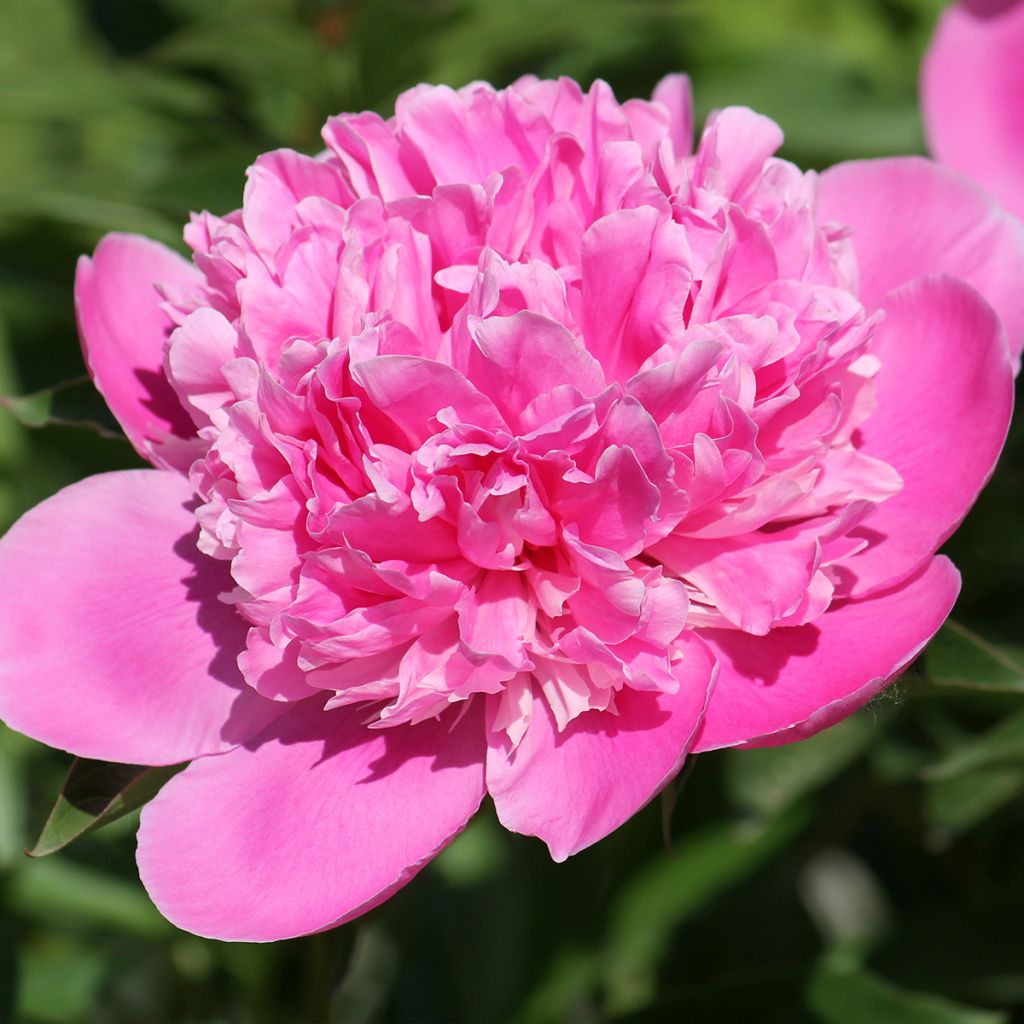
[(945, 394), (572, 788), (736, 143), (278, 181), (755, 579), (123, 332), (113, 643), (412, 391), (972, 96), (636, 280), (674, 93), (912, 217), (796, 681), (516, 358), (313, 823), (195, 359)]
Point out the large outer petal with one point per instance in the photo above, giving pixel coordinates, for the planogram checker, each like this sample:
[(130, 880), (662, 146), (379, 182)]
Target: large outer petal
[(113, 643), (123, 330), (945, 394), (794, 682), (573, 788), (317, 821), (912, 217), (972, 96)]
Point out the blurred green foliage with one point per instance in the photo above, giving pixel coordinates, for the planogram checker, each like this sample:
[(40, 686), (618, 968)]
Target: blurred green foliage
[(870, 875)]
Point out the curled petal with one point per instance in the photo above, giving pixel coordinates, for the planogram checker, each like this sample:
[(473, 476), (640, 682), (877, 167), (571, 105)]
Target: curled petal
[(124, 329)]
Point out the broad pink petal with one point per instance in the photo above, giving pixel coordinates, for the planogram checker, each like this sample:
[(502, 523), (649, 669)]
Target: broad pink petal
[(912, 217), (314, 823), (972, 96), (794, 682), (113, 643), (573, 788), (945, 394), (123, 331)]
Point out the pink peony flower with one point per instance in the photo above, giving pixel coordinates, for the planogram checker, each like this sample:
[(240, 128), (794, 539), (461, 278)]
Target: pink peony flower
[(972, 95), (508, 447)]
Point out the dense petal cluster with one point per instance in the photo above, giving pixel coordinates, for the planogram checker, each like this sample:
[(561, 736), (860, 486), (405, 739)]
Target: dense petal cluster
[(514, 444)]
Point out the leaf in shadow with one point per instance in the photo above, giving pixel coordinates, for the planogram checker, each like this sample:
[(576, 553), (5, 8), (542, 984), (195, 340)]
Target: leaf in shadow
[(73, 403), (94, 794)]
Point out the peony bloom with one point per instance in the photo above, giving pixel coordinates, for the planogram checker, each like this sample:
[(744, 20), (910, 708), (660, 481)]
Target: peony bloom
[(512, 447), (972, 95)]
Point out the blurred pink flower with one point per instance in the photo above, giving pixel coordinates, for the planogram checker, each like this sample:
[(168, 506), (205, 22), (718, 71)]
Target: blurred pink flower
[(972, 95), (510, 447)]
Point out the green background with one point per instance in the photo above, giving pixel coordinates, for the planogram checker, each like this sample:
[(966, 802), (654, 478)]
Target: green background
[(871, 875)]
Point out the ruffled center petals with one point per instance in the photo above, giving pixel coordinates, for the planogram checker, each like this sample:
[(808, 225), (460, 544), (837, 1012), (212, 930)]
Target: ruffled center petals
[(507, 401)]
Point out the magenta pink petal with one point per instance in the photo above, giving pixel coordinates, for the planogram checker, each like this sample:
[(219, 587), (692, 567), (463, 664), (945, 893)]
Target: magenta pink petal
[(796, 681), (117, 646), (314, 823), (945, 394), (972, 96), (912, 217), (123, 332), (572, 788)]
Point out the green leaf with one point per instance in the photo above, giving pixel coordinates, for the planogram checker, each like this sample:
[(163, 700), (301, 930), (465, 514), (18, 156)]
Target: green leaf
[(59, 982), (769, 779), (60, 891), (74, 403), (671, 889), (475, 856), (959, 657), (840, 994), (12, 805), (954, 805), (94, 794), (1001, 745)]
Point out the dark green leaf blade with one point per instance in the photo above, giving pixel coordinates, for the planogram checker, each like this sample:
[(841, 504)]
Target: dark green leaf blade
[(843, 994), (94, 794), (73, 403), (958, 657)]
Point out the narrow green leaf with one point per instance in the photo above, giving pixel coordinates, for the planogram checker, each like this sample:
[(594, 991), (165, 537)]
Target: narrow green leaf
[(841, 995), (12, 805), (1001, 745), (94, 794), (953, 805), (73, 403), (959, 657), (61, 891), (672, 888)]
